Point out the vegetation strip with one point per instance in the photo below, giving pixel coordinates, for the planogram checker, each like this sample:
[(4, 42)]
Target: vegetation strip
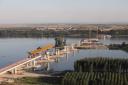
[(100, 64), (95, 78)]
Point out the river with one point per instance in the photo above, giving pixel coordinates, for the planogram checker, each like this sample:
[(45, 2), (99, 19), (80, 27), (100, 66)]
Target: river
[(14, 49)]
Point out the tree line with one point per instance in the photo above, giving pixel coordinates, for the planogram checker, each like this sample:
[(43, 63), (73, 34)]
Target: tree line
[(98, 71), (33, 32), (95, 78)]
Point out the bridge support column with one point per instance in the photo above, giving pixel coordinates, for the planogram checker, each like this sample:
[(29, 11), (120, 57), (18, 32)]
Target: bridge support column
[(12, 71), (45, 56), (66, 48), (48, 55), (15, 71), (57, 52), (48, 67), (33, 63), (27, 65)]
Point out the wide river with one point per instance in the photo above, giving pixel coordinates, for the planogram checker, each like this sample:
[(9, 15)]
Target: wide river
[(14, 49)]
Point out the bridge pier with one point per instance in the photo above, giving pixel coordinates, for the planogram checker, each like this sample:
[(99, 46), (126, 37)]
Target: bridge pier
[(27, 65), (65, 48), (13, 71), (72, 47), (48, 56), (34, 63), (48, 67), (57, 52)]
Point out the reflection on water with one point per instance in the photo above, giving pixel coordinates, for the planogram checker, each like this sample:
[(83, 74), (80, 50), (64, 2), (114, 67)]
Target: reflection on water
[(67, 63), (14, 49)]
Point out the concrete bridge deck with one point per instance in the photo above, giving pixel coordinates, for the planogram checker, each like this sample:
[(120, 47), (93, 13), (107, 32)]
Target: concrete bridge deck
[(33, 59), (36, 54)]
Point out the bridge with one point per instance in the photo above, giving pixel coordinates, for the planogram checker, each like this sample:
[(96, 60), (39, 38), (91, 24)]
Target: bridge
[(41, 54), (33, 56)]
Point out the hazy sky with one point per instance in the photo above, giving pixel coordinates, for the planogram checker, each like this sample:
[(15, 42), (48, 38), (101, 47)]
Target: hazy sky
[(63, 11)]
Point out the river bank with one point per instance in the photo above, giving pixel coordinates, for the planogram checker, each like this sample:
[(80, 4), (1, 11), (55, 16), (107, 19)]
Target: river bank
[(45, 78), (36, 33), (123, 46)]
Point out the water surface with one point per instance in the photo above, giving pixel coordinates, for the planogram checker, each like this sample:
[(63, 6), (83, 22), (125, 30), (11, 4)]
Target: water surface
[(14, 49)]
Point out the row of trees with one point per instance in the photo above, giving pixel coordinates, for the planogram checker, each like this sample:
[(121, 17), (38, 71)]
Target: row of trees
[(98, 71), (95, 78), (116, 32), (21, 33), (122, 46), (100, 64), (28, 32), (31, 32)]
